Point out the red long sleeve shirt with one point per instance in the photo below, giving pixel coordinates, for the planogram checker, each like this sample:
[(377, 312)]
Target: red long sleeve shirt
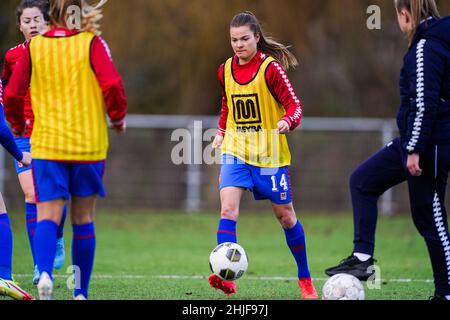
[(278, 83), (12, 57), (108, 78)]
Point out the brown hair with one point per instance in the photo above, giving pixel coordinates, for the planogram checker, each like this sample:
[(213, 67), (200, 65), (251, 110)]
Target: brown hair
[(266, 44), (420, 10), (90, 15), (42, 5)]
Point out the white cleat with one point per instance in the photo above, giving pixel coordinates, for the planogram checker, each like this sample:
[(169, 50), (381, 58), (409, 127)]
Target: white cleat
[(80, 297), (45, 287)]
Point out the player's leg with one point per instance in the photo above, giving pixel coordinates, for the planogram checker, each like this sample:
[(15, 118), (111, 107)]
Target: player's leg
[(86, 185), (368, 183), (27, 185), (60, 243), (274, 184), (7, 285), (234, 179), (83, 243), (427, 198), (49, 217), (296, 241), (52, 191), (230, 199)]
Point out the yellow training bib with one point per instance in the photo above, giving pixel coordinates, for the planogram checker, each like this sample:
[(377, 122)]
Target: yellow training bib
[(252, 121), (70, 120)]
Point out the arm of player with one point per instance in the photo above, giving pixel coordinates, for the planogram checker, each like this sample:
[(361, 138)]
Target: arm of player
[(110, 82), (429, 72), (221, 131), (7, 139), (15, 92), (282, 90)]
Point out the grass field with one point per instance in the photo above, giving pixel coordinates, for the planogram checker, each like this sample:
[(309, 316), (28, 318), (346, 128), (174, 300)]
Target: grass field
[(164, 256)]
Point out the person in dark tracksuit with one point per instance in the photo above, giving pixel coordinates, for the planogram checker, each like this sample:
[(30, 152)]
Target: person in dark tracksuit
[(420, 156)]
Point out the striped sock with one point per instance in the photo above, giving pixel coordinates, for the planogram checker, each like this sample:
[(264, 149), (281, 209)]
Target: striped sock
[(6, 245), (45, 245), (31, 218), (226, 231), (60, 232), (83, 252), (295, 238)]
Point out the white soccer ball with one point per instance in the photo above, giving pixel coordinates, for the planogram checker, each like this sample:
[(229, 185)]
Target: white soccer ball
[(228, 261), (343, 287)]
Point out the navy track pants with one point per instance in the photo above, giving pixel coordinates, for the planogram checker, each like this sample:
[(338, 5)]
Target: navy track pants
[(386, 169)]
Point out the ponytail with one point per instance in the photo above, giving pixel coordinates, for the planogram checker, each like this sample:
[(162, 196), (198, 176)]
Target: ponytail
[(90, 15), (266, 44)]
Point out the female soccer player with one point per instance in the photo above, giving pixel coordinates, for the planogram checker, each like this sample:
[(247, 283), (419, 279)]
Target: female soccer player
[(32, 19), (71, 74), (259, 108), (7, 285), (420, 156)]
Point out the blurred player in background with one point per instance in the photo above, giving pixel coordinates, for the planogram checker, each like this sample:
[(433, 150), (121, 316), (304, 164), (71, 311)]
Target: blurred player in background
[(7, 285), (421, 156), (32, 20), (71, 73), (259, 108)]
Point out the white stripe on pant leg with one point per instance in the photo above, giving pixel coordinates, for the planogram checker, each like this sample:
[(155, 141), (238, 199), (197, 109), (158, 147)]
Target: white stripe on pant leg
[(443, 233)]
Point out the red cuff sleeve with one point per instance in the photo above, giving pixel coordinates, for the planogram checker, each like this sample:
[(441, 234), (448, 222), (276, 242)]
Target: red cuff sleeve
[(109, 80), (224, 110), (16, 90), (281, 88)]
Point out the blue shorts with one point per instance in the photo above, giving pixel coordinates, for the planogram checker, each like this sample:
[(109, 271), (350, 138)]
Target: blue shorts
[(24, 146), (59, 180), (266, 183)]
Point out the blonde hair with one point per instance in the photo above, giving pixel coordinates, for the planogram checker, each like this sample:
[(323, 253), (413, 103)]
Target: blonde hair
[(90, 15), (266, 44), (420, 10)]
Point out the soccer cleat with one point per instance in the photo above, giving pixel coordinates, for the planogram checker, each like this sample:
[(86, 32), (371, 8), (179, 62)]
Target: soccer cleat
[(45, 287), (438, 297), (352, 265), (228, 287), (60, 256), (10, 289), (36, 275), (80, 297), (307, 289)]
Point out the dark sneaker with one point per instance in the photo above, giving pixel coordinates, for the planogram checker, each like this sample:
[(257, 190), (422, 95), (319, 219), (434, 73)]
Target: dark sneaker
[(438, 297), (352, 265)]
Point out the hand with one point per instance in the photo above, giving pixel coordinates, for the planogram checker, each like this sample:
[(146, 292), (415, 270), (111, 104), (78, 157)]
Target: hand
[(413, 165), (120, 127), (283, 127), (217, 143), (26, 160), (18, 133)]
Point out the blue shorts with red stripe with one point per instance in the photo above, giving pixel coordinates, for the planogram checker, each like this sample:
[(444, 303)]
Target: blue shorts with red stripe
[(60, 180), (266, 183), (24, 145)]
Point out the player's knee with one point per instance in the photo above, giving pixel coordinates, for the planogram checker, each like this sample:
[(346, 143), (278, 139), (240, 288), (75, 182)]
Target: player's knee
[(288, 221), (30, 196), (287, 217), (79, 220), (229, 213)]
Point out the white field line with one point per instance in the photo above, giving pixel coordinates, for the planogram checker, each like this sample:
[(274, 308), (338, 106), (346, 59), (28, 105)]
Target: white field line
[(179, 277)]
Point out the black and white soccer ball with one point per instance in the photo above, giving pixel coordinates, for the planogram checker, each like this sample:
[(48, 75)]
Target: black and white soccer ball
[(343, 287), (228, 261)]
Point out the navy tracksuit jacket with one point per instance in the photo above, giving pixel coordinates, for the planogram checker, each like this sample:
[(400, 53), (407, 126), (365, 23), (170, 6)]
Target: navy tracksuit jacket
[(424, 124)]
